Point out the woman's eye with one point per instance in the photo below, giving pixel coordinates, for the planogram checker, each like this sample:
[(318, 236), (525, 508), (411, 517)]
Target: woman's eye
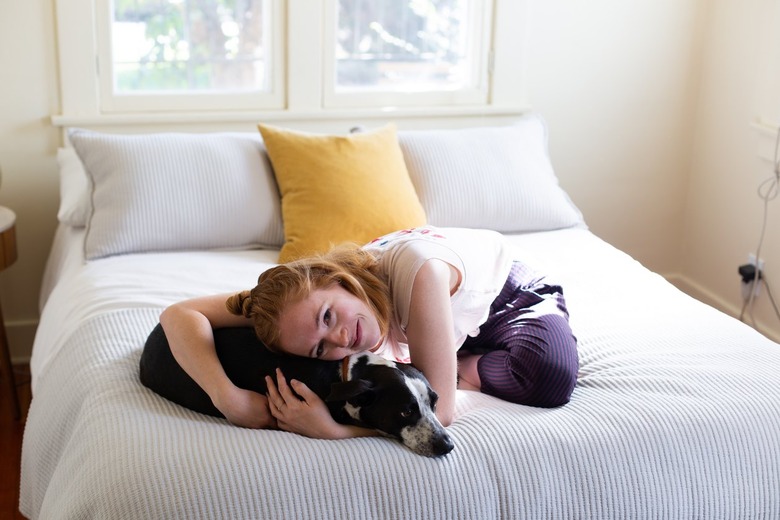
[(326, 317), (320, 350)]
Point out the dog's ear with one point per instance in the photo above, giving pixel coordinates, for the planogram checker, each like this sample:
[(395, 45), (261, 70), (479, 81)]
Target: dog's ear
[(360, 391)]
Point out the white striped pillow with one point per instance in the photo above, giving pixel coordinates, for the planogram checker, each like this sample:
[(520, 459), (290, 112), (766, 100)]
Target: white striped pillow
[(74, 190), (168, 192), (498, 178)]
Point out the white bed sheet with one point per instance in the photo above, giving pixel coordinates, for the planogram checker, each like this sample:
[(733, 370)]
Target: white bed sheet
[(80, 290), (676, 413)]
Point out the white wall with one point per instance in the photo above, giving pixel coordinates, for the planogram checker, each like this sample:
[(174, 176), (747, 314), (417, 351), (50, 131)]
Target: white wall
[(28, 97), (618, 83), (723, 213)]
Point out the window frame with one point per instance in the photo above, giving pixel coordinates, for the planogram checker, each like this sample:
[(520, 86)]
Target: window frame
[(111, 101), (480, 19), (302, 28)]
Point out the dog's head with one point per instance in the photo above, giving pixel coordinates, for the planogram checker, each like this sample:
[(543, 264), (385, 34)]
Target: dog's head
[(394, 399)]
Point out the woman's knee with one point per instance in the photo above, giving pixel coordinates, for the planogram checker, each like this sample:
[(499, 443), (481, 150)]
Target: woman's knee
[(547, 363), (560, 364), (555, 380)]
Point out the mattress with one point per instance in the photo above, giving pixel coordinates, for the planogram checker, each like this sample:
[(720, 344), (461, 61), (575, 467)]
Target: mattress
[(676, 413)]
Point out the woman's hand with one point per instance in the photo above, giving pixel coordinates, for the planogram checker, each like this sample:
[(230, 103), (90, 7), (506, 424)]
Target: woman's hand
[(245, 408), (308, 416)]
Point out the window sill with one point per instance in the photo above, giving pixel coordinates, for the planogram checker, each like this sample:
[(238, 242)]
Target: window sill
[(177, 118)]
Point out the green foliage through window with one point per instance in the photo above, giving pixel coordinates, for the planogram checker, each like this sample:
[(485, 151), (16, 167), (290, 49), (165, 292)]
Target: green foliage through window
[(201, 45), (413, 43)]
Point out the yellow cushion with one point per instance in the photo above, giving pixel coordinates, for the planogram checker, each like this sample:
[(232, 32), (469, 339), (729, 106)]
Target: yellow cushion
[(338, 189)]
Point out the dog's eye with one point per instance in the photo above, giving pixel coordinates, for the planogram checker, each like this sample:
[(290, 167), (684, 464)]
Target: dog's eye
[(407, 413)]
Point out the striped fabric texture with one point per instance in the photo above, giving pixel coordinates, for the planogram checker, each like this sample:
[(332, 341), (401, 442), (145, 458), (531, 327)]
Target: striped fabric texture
[(177, 192), (498, 178), (173, 192), (675, 414)]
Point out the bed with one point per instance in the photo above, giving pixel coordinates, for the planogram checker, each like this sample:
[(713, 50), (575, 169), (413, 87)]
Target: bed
[(676, 413)]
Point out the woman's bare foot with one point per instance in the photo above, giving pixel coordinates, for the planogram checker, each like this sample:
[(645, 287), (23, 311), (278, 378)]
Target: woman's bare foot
[(468, 377)]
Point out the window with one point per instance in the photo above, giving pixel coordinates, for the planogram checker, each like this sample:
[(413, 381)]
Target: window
[(236, 60), (419, 52), (187, 54)]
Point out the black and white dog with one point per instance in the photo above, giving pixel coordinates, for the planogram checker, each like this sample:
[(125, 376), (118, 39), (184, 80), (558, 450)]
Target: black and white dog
[(364, 389)]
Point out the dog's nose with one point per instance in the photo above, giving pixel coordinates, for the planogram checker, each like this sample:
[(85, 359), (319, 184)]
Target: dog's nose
[(442, 445)]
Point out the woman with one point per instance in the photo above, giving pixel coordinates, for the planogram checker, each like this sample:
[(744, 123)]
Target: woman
[(450, 301)]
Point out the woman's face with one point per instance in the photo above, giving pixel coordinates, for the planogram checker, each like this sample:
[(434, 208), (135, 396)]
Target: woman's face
[(328, 324)]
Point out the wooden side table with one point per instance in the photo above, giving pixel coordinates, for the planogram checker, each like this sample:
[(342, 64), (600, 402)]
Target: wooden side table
[(8, 257)]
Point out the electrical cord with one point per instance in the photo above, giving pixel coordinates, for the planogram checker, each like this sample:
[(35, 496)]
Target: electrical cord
[(772, 298), (767, 191)]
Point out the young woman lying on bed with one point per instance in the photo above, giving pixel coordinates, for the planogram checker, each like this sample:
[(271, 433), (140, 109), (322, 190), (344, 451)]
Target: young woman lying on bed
[(451, 301)]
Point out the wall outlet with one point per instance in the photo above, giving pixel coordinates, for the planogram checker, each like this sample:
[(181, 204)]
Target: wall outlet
[(752, 261), (756, 287), (746, 286)]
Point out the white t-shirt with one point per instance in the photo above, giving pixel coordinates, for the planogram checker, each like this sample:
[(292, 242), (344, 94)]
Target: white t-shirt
[(480, 256)]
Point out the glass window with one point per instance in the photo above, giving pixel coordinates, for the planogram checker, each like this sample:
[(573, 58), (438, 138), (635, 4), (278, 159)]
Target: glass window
[(176, 45), (229, 59), (413, 46), (190, 47), (408, 53)]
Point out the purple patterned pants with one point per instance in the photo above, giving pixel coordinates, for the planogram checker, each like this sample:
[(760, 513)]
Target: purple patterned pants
[(529, 354)]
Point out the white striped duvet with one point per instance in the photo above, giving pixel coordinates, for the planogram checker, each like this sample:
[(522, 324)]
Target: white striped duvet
[(676, 414)]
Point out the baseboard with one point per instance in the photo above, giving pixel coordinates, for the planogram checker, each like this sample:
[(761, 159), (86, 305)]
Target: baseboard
[(701, 293)]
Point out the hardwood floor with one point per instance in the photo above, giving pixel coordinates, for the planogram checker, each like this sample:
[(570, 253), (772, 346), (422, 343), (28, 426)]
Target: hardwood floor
[(11, 444)]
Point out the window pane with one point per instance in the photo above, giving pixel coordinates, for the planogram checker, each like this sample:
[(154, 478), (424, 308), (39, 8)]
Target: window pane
[(190, 45), (417, 45)]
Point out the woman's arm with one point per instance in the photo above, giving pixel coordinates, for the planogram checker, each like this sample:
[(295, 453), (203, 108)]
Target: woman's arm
[(188, 326), (307, 415), (431, 335)]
